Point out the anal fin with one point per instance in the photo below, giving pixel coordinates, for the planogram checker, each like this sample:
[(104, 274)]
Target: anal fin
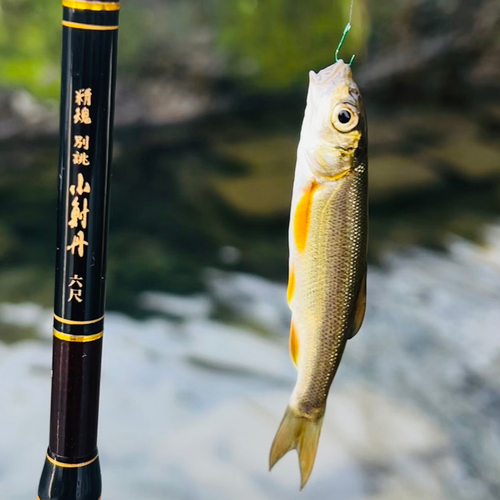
[(291, 285), (294, 343)]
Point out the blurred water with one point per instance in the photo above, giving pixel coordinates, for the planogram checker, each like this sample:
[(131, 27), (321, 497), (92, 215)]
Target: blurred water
[(196, 373), (215, 193), (189, 406)]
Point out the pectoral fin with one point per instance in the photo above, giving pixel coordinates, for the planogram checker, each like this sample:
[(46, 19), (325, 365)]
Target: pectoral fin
[(302, 217), (294, 344), (360, 308)]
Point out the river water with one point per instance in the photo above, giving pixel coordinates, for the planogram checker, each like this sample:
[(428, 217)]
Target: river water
[(196, 373)]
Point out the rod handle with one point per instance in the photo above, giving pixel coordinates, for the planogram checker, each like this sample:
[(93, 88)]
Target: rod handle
[(62, 481)]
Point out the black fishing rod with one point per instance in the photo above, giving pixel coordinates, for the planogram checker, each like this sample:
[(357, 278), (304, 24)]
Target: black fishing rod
[(90, 30)]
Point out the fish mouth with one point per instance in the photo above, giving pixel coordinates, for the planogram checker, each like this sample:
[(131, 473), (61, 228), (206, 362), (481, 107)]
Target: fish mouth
[(339, 71)]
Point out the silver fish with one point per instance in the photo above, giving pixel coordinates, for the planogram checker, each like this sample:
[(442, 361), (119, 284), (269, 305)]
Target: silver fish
[(328, 241)]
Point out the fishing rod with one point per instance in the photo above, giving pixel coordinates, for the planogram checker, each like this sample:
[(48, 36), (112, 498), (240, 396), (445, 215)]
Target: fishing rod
[(90, 30)]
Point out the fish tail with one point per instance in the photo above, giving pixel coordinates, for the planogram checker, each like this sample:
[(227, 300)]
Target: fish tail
[(301, 433)]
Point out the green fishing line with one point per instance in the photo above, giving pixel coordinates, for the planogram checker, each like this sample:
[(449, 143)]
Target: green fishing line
[(344, 34)]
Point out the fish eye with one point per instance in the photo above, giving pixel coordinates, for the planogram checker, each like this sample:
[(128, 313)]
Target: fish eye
[(344, 118)]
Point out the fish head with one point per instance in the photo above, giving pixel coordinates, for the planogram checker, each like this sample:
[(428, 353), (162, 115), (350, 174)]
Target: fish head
[(334, 123)]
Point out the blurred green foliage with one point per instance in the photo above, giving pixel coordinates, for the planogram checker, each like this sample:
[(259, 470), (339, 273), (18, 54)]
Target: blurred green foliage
[(274, 43), (30, 44), (29, 47), (265, 44)]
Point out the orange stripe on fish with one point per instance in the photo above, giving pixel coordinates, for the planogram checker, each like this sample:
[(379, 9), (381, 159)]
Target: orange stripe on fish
[(291, 285), (294, 344), (302, 216)]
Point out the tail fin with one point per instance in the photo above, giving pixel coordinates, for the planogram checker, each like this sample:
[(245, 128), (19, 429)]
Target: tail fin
[(300, 433)]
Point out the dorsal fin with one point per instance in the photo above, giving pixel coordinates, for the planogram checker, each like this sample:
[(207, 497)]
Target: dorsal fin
[(360, 308)]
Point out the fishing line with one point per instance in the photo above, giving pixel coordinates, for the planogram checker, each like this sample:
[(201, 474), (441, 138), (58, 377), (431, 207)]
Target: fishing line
[(344, 34)]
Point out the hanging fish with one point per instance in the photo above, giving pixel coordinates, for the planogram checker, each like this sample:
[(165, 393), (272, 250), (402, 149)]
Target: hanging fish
[(328, 239)]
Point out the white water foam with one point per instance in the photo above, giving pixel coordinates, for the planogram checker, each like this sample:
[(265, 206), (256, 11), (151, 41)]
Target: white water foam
[(189, 406)]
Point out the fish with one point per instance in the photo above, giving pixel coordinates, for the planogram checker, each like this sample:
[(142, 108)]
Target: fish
[(328, 235)]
